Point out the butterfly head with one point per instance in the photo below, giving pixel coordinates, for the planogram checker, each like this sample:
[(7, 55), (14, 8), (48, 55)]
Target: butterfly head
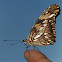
[(24, 41), (29, 42)]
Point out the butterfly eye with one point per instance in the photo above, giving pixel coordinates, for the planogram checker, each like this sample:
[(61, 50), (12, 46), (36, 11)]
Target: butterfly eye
[(23, 41)]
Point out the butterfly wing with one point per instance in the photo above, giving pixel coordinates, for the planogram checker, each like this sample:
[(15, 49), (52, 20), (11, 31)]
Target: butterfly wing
[(43, 31), (51, 11)]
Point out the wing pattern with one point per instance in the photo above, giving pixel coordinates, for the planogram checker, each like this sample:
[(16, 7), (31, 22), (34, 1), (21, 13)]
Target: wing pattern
[(43, 31)]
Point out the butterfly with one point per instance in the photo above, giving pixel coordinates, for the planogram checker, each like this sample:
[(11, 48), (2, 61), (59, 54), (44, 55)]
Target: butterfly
[(43, 31)]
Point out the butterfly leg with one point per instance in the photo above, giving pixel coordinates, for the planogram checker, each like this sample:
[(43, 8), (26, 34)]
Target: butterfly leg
[(27, 47), (36, 48)]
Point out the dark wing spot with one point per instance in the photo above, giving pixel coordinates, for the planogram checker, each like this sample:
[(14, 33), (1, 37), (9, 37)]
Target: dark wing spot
[(38, 21), (33, 29)]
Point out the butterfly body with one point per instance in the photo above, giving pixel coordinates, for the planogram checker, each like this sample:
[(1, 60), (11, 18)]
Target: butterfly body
[(43, 31)]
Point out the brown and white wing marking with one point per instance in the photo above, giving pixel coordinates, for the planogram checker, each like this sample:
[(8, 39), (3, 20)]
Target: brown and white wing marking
[(45, 34), (50, 12), (43, 31)]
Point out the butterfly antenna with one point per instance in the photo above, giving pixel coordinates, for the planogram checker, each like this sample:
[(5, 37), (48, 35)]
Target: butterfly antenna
[(15, 43), (13, 40)]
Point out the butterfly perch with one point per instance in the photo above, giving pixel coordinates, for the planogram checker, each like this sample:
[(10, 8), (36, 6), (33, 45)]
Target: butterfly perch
[(43, 31)]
